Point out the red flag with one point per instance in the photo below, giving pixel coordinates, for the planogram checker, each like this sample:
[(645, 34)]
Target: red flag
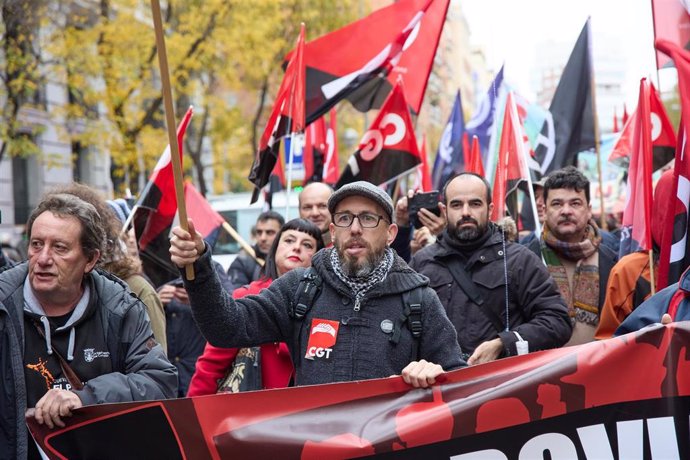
[(624, 118), (474, 163), (363, 60), (155, 212), (287, 117), (320, 155), (466, 148), (675, 252), (423, 180), (512, 161), (663, 135), (672, 24), (615, 121), (331, 167), (637, 217), (314, 155), (389, 148), (206, 220)]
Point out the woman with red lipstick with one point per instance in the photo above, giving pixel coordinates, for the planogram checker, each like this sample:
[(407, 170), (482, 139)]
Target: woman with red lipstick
[(294, 246)]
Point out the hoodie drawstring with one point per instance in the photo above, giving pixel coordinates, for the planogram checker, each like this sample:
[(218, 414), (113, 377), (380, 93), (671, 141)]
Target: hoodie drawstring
[(70, 347), (46, 331)]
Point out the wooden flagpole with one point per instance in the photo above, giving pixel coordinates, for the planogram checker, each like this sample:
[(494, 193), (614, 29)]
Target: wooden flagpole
[(595, 117), (248, 249), (170, 122)]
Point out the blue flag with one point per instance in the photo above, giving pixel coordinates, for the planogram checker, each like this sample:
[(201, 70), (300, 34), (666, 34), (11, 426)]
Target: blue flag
[(450, 158), (482, 121)]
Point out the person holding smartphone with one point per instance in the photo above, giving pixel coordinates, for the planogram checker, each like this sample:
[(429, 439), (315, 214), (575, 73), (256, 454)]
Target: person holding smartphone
[(419, 220), (495, 315)]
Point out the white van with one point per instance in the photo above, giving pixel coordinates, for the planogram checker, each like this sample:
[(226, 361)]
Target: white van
[(237, 211)]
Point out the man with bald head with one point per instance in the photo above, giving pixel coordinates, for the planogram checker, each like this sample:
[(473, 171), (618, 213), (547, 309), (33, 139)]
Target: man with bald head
[(313, 206), (469, 266)]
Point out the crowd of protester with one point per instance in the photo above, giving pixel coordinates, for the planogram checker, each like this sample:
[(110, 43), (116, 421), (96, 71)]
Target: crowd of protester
[(350, 290)]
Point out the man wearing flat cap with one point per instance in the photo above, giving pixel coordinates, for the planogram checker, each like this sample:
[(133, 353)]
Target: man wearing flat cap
[(371, 316)]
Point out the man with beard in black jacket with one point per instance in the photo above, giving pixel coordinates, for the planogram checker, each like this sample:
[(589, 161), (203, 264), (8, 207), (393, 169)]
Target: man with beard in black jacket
[(469, 267)]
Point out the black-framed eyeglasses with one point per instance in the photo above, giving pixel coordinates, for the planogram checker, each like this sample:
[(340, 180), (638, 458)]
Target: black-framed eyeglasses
[(366, 219)]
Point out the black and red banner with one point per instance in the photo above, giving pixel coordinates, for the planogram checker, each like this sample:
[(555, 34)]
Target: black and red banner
[(626, 397), (362, 61)]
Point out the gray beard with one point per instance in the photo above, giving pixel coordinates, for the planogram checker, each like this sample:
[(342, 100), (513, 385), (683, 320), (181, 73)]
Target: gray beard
[(353, 269)]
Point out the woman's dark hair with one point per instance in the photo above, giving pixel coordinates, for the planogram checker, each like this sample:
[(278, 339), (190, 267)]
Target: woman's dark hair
[(270, 270)]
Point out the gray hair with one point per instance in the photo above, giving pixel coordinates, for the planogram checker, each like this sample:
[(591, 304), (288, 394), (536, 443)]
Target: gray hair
[(92, 236)]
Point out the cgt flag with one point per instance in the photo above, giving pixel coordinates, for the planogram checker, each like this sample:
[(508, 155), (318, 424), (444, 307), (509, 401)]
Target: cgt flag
[(663, 136), (511, 168), (450, 158), (637, 217), (362, 61), (571, 108), (287, 117), (155, 213), (389, 148), (675, 252)]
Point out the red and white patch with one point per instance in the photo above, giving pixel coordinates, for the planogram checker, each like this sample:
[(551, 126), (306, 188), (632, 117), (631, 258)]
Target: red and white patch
[(322, 336)]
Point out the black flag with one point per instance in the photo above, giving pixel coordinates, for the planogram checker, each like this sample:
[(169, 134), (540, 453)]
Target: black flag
[(571, 108)]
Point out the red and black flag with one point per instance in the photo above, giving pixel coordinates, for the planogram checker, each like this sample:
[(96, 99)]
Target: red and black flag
[(389, 148), (511, 168), (637, 217), (207, 221), (362, 61), (155, 213), (571, 108), (287, 117), (675, 251), (663, 135)]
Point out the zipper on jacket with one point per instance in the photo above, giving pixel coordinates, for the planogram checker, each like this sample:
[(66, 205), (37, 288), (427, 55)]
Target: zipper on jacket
[(357, 303)]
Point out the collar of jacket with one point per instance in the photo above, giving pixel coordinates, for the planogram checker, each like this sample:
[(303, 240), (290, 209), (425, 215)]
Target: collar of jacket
[(490, 251), (400, 278)]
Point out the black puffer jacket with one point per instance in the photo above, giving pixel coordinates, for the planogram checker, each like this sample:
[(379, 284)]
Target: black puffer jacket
[(536, 309)]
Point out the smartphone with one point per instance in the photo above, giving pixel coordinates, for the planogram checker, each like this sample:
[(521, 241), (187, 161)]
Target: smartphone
[(428, 200)]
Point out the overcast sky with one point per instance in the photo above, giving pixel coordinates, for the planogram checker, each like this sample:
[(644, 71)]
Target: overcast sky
[(510, 31)]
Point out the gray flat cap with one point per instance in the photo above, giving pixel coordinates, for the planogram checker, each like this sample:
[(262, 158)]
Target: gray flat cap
[(365, 189)]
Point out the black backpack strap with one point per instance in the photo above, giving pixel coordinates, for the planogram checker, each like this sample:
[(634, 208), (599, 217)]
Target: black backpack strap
[(470, 289), (412, 314), (308, 289)]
